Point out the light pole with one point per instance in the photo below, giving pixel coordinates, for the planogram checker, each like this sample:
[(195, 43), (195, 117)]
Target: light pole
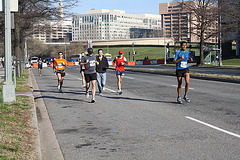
[(220, 32), (165, 54), (8, 89)]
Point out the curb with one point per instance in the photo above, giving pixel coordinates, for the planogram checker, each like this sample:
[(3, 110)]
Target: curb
[(48, 147)]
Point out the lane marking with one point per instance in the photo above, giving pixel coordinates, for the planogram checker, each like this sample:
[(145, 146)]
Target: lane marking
[(182, 87), (110, 90), (128, 77), (214, 127), (79, 79)]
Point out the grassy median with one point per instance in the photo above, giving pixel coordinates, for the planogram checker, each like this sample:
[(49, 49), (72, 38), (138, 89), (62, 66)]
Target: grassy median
[(17, 136)]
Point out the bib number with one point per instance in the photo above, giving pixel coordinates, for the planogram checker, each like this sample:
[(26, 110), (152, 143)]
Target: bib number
[(183, 64), (60, 66), (92, 63)]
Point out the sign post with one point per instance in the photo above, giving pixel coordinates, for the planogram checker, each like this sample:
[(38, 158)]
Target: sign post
[(8, 89)]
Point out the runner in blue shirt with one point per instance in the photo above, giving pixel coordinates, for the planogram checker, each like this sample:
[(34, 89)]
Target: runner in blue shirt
[(181, 58)]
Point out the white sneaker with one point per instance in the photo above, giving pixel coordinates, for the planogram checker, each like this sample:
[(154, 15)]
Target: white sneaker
[(119, 92), (100, 94), (58, 86), (103, 88), (179, 100), (83, 86), (93, 100), (186, 98)]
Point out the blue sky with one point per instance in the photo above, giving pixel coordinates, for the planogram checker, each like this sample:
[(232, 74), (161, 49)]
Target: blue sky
[(130, 6)]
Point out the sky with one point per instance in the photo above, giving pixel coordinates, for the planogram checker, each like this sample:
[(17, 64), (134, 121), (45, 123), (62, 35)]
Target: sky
[(130, 6)]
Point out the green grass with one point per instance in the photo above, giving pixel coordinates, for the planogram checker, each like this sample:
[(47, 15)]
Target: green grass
[(153, 53), (234, 61)]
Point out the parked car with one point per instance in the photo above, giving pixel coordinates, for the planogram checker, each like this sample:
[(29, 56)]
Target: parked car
[(34, 60)]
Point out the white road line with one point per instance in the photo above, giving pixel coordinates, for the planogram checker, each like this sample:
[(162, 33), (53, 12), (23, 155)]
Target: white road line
[(182, 87), (110, 90), (128, 77), (214, 127), (79, 79)]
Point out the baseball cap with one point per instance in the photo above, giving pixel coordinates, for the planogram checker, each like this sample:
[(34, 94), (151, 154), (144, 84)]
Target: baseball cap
[(90, 50), (120, 52)]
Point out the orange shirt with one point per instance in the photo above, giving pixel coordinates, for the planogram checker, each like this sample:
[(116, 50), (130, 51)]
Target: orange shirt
[(59, 65)]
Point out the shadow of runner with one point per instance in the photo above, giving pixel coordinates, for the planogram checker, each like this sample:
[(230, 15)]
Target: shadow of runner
[(138, 99), (60, 98)]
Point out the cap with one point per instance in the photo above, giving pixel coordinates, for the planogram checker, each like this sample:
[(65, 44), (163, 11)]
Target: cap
[(120, 52), (90, 50)]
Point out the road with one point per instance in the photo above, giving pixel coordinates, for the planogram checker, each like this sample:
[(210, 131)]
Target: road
[(145, 122)]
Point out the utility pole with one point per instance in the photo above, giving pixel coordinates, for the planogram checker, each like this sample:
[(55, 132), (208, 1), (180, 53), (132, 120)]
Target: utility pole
[(8, 89), (220, 32)]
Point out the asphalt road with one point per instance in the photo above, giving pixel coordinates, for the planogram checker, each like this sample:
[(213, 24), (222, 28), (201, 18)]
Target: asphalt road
[(145, 122)]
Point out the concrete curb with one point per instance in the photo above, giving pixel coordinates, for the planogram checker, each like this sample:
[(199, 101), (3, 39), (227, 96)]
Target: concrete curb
[(49, 146), (196, 75)]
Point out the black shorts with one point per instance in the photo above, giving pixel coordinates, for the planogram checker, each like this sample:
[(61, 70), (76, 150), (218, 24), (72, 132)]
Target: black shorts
[(62, 74), (39, 67), (181, 72), (90, 77)]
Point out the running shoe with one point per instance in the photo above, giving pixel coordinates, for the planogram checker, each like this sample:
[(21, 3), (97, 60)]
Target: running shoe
[(119, 92), (87, 94), (186, 98), (93, 100), (60, 90), (100, 94), (83, 86), (58, 86), (179, 100), (103, 88)]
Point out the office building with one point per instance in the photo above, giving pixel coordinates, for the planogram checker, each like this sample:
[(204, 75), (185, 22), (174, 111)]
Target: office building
[(102, 24)]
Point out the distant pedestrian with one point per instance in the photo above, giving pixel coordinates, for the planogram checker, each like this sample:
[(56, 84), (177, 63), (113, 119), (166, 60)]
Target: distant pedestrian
[(181, 58), (102, 65), (82, 68), (40, 64), (60, 65), (89, 62), (119, 63)]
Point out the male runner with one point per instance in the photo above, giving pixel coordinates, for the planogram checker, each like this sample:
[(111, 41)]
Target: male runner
[(89, 62), (40, 66), (102, 65), (181, 58), (60, 64), (119, 63)]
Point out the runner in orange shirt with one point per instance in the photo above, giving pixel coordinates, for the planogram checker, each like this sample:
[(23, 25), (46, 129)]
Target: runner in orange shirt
[(60, 65)]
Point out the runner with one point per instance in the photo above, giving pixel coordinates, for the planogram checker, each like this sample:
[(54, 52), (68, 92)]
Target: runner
[(82, 68), (40, 66), (181, 58), (60, 65), (102, 65), (89, 62), (119, 63)]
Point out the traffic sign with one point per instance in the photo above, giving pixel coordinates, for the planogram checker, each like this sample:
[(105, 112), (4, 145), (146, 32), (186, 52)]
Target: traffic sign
[(13, 5)]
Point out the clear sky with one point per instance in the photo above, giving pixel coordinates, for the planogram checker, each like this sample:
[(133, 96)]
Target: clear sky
[(130, 6)]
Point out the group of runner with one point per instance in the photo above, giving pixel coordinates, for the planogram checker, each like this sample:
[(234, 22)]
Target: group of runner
[(93, 69)]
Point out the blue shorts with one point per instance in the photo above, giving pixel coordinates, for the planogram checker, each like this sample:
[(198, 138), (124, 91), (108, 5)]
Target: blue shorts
[(121, 73)]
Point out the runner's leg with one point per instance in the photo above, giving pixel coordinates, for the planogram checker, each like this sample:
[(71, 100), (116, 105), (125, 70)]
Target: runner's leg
[(187, 80), (119, 82), (83, 78), (99, 82), (93, 89), (179, 79), (104, 76), (61, 83)]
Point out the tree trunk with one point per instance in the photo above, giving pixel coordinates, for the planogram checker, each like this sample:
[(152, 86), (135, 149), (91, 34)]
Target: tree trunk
[(17, 49)]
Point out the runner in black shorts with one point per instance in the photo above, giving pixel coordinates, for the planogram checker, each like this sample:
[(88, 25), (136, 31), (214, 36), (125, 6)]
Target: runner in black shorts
[(181, 58), (89, 63)]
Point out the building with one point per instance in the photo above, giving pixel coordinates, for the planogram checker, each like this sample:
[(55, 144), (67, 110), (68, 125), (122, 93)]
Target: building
[(54, 31), (179, 22), (102, 24)]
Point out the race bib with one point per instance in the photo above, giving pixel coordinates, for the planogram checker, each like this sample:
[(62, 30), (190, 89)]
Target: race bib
[(183, 64), (92, 63), (83, 67), (60, 66)]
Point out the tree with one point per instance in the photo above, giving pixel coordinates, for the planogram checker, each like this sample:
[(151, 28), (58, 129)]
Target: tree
[(203, 18), (31, 12)]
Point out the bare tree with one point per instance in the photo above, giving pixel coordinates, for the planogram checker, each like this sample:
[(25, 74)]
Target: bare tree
[(29, 13), (203, 18)]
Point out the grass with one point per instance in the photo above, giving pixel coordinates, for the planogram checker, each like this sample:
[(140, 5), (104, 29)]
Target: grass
[(17, 137), (153, 53), (234, 61)]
